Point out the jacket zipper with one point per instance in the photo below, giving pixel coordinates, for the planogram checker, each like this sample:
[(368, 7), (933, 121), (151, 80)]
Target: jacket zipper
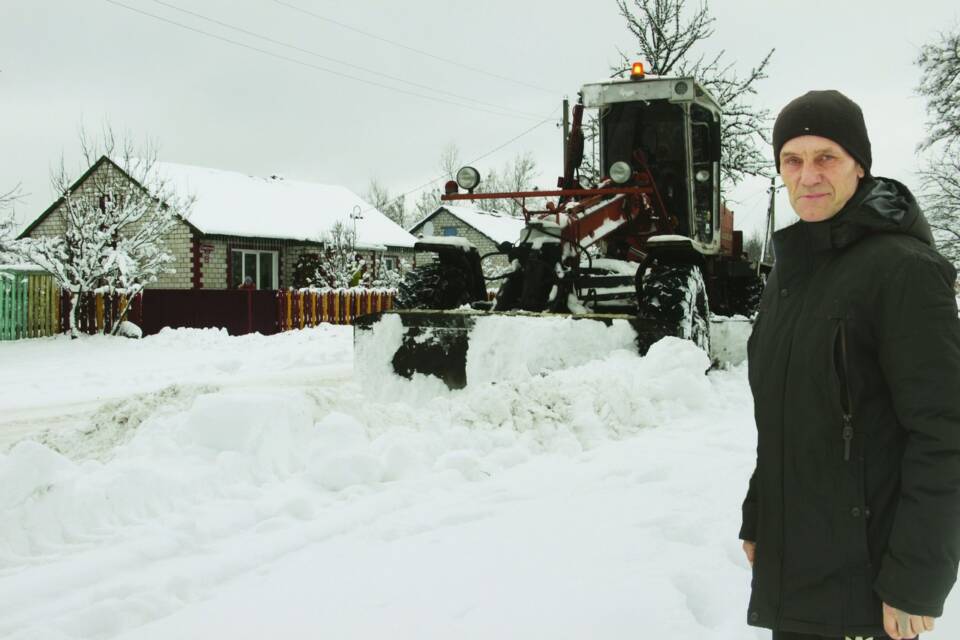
[(846, 433)]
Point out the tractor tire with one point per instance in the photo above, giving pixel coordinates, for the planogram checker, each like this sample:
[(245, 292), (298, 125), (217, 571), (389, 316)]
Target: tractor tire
[(433, 286), (674, 297)]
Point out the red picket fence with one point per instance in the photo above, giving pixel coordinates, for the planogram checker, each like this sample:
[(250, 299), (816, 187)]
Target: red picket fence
[(239, 312), (297, 309)]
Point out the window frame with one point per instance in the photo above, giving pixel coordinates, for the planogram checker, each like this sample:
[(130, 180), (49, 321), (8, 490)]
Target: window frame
[(275, 275)]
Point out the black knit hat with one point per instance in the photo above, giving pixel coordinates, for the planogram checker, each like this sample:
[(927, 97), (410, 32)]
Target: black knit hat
[(828, 114)]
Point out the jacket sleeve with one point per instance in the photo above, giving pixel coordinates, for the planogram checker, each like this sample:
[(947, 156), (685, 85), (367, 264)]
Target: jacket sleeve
[(919, 354), (748, 529)]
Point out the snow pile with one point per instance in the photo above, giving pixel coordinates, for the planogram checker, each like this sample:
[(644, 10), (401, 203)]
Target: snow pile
[(128, 329), (239, 442), (503, 348), (285, 496), (728, 339), (285, 465)]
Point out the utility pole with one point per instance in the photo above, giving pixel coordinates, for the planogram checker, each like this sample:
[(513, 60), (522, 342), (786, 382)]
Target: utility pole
[(771, 223), (566, 129)]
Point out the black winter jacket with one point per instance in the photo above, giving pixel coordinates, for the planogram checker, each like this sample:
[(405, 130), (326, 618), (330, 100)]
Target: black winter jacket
[(854, 364)]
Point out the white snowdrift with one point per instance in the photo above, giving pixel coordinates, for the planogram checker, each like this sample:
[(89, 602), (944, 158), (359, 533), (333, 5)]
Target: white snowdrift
[(254, 487)]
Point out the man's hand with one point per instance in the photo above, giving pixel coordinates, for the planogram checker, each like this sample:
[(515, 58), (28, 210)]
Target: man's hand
[(900, 625), (749, 548)]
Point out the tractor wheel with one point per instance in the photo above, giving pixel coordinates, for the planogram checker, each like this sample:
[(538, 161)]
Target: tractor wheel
[(675, 298), (433, 286)]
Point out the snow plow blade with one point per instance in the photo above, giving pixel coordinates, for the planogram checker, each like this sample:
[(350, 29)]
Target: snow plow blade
[(436, 343)]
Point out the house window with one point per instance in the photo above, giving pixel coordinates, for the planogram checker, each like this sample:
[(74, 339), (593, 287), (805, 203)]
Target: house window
[(389, 263), (450, 231), (259, 265)]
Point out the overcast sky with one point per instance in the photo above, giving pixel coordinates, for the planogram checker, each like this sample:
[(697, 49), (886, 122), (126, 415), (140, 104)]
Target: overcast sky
[(476, 73)]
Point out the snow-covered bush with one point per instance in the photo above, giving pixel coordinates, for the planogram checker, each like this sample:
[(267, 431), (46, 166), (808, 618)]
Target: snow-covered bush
[(339, 265), (7, 224), (114, 221)]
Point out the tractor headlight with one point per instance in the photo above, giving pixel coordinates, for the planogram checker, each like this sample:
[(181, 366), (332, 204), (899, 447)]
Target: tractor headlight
[(468, 178), (702, 176), (620, 172)]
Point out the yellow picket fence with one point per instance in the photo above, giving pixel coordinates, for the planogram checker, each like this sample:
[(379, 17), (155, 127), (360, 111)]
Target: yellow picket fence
[(297, 309)]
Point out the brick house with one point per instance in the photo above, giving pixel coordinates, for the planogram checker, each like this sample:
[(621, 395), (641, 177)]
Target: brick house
[(485, 229), (242, 225)]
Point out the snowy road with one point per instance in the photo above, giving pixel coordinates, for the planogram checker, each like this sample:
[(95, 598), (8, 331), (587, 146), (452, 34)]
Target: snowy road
[(194, 485)]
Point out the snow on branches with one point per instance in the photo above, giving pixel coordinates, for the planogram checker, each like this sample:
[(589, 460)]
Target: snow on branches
[(940, 85), (7, 223), (341, 266), (113, 224), (941, 199)]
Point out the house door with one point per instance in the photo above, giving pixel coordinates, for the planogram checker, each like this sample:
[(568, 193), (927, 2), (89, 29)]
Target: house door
[(261, 266)]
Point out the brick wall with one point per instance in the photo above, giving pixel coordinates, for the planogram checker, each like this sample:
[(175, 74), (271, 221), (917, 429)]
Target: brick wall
[(176, 242), (483, 244), (213, 262)]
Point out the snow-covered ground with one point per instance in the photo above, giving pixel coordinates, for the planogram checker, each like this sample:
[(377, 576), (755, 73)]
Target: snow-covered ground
[(197, 485)]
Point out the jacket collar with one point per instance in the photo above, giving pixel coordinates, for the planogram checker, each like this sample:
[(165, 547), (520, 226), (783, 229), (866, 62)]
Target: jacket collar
[(879, 205)]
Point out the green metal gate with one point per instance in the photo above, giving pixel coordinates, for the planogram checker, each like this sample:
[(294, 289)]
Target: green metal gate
[(29, 304)]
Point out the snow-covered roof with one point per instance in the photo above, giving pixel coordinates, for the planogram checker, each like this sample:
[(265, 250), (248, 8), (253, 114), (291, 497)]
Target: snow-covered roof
[(499, 227), (234, 204)]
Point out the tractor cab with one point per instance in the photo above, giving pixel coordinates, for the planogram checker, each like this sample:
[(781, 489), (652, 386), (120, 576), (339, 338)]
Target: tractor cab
[(667, 129)]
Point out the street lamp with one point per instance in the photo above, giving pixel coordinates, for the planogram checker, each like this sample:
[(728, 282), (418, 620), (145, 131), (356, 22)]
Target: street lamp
[(356, 214)]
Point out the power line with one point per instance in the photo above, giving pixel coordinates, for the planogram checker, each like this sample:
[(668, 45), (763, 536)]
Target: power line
[(476, 159), (337, 60), (421, 52), (307, 64)]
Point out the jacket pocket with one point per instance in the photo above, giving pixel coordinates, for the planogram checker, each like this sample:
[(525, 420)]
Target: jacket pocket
[(841, 377)]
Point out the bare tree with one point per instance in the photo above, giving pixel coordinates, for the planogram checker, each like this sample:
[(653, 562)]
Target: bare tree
[(426, 203), (429, 199), (114, 224), (516, 175), (450, 161), (8, 199), (393, 208), (940, 190), (7, 222), (941, 199), (667, 35), (753, 246)]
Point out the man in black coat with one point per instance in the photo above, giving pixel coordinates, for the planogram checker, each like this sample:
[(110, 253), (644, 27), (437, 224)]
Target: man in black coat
[(852, 517)]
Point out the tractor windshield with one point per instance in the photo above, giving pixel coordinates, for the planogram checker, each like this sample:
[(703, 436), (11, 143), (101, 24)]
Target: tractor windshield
[(650, 132)]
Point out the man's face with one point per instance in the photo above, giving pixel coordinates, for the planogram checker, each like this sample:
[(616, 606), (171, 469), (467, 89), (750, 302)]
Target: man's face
[(820, 176)]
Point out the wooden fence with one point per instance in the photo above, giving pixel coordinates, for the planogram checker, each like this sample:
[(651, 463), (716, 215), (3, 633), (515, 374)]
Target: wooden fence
[(98, 311), (297, 309), (32, 306), (29, 304)]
